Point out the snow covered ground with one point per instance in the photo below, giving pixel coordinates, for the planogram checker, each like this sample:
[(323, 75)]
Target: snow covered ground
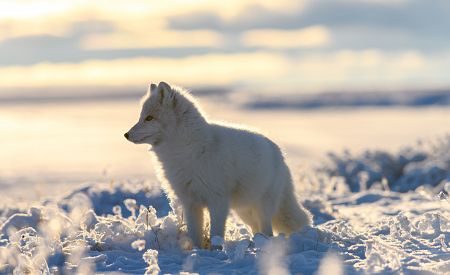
[(380, 207), (132, 227)]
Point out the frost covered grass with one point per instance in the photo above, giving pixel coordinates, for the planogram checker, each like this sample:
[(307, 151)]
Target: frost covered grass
[(132, 227)]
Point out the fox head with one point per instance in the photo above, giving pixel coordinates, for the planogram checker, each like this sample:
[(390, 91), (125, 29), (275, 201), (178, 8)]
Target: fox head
[(158, 115)]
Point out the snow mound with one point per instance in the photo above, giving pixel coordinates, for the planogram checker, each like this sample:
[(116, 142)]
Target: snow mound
[(115, 198), (425, 165)]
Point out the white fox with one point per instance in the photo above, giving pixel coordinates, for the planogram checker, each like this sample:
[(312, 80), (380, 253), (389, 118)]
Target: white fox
[(218, 167)]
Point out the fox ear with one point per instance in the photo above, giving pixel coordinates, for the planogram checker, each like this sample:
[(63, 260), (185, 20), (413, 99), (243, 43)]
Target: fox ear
[(165, 94), (151, 88)]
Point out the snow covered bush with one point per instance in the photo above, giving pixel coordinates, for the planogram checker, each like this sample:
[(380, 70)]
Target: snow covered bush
[(426, 164)]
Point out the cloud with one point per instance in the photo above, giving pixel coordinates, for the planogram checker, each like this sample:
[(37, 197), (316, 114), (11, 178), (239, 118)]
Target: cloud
[(13, 28), (362, 69), (401, 14), (419, 24), (37, 49), (210, 69), (231, 10), (310, 37), (260, 44), (152, 39), (217, 25), (34, 49), (46, 17), (262, 71), (142, 24)]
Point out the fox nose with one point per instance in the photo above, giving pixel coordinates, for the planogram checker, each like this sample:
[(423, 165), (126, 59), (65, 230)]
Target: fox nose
[(126, 135)]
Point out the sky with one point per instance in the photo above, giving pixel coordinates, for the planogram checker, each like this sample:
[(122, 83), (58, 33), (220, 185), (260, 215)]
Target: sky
[(263, 45)]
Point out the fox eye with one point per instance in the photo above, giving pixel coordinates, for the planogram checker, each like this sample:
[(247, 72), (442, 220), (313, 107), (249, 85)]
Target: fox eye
[(149, 118)]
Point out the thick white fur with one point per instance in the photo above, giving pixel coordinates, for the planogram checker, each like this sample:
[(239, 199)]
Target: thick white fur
[(218, 167)]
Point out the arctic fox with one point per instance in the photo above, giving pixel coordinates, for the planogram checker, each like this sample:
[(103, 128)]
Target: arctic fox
[(218, 167)]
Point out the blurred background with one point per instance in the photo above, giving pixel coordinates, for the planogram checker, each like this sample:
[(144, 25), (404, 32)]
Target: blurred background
[(316, 76)]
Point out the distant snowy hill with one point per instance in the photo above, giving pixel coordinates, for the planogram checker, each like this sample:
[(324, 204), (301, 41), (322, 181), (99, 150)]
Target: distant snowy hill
[(351, 99), (252, 100)]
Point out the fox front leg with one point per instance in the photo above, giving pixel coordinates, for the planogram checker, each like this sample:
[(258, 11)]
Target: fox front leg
[(218, 212), (194, 221)]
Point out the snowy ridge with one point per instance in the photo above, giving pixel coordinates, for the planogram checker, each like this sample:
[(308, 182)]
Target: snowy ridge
[(350, 100)]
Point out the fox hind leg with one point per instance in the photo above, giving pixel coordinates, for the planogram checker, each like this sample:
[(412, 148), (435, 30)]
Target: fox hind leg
[(218, 213), (249, 217), (265, 222)]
